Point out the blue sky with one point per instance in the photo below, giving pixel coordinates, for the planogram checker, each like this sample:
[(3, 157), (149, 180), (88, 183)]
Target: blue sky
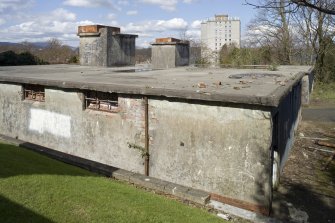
[(40, 20)]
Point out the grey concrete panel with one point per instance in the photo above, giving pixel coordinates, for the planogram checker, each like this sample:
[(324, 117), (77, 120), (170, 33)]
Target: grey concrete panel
[(223, 150), (182, 55), (92, 48), (121, 50), (163, 56)]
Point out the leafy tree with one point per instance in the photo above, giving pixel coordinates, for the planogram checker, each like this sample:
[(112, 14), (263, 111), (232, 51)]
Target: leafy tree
[(10, 58)]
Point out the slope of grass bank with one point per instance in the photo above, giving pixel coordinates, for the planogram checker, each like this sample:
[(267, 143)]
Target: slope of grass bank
[(324, 91), (34, 188)]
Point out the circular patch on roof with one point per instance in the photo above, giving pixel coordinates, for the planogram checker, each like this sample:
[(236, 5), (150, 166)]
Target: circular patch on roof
[(253, 75)]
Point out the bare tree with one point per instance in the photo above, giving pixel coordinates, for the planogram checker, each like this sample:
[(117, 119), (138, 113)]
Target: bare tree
[(294, 5), (56, 52), (316, 30), (271, 28)]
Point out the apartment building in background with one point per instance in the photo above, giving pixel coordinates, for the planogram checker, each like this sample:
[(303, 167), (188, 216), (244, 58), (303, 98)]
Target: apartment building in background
[(218, 31)]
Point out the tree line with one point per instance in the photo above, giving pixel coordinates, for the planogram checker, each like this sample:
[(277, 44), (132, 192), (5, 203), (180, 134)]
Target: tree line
[(288, 32), (25, 53)]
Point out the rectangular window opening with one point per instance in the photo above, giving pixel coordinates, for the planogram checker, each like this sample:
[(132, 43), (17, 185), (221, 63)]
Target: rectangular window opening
[(101, 101), (33, 92)]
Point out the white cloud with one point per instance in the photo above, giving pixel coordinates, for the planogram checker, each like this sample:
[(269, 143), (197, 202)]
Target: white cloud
[(2, 21), (193, 34), (196, 24), (7, 6), (175, 24), (111, 16), (114, 23), (59, 23), (133, 12), (144, 44), (63, 14), (169, 5), (89, 3), (123, 2)]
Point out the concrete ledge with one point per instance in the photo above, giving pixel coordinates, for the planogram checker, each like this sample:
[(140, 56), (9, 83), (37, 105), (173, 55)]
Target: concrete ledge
[(196, 196)]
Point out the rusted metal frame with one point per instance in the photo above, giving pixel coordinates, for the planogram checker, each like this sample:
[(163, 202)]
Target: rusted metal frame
[(146, 129), (242, 204), (34, 95), (97, 102)]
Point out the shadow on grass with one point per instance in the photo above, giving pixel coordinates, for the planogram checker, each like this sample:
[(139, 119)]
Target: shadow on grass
[(296, 199), (13, 212), (34, 159)]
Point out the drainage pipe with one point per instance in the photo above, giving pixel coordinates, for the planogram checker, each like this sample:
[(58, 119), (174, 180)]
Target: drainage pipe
[(146, 127)]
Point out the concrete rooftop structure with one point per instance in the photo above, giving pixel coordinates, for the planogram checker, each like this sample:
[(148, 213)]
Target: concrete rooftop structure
[(225, 132), (249, 86), (105, 46)]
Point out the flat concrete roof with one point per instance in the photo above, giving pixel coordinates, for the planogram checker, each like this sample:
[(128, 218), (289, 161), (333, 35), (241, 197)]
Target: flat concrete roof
[(249, 86)]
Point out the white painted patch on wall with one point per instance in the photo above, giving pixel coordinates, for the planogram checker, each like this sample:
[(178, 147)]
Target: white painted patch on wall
[(45, 121)]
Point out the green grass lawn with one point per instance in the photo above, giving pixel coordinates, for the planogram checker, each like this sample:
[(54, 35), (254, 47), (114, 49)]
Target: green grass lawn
[(324, 91), (34, 188)]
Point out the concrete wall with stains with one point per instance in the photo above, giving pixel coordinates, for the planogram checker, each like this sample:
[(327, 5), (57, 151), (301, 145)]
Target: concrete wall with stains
[(121, 50), (182, 55), (92, 50), (166, 56), (163, 56), (61, 123), (107, 49), (223, 150)]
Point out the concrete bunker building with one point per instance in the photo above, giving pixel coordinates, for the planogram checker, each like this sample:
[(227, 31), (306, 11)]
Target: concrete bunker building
[(170, 53), (226, 138), (105, 46)]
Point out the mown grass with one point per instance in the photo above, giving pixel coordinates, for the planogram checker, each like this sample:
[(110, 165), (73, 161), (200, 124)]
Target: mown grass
[(34, 188), (324, 91)]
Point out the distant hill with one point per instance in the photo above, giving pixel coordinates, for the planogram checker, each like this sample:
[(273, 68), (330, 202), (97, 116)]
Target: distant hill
[(40, 45), (9, 44)]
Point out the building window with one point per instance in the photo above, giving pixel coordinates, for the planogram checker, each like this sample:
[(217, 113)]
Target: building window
[(33, 92), (101, 101)]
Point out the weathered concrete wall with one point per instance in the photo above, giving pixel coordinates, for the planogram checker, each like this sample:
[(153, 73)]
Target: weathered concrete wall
[(61, 123), (163, 56), (107, 49), (121, 50), (287, 120), (182, 55), (223, 150), (92, 50)]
